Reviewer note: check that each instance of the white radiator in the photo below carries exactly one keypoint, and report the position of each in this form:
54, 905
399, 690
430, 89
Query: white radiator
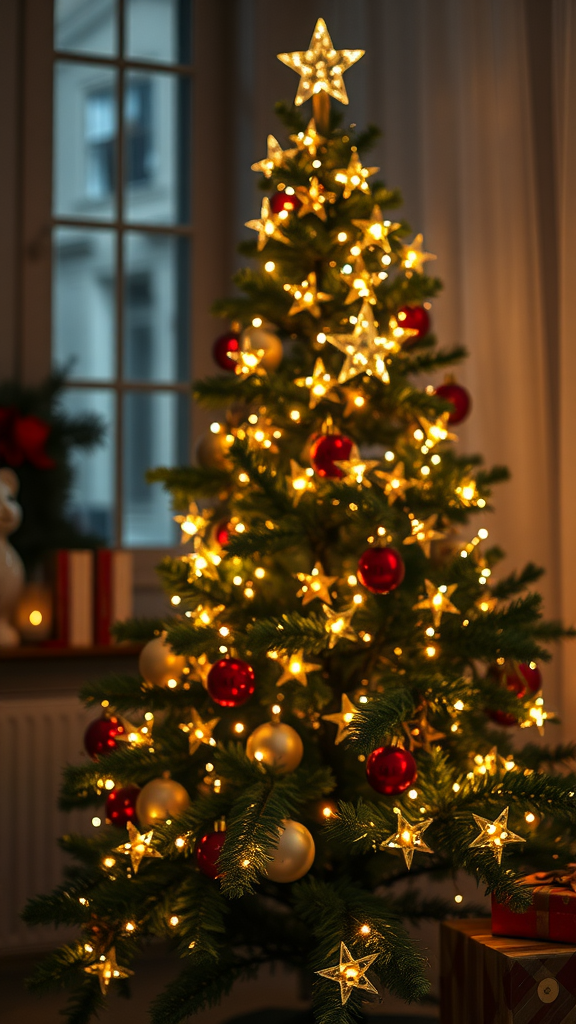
37, 738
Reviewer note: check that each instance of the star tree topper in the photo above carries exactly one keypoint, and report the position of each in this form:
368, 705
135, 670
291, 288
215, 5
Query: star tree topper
408, 838
138, 846
350, 973
106, 968
495, 834
320, 67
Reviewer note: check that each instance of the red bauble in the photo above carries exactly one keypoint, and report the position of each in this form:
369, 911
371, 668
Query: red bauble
414, 318
532, 676
280, 201
222, 533
121, 805
502, 718
390, 770
231, 682
459, 398
208, 852
381, 569
222, 347
327, 450
100, 736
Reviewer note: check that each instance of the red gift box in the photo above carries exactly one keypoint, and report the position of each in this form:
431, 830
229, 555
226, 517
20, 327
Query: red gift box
552, 915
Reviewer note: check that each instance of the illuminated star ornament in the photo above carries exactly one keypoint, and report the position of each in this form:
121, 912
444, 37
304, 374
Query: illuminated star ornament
274, 158
413, 258
408, 838
137, 735
362, 283
495, 835
313, 198
354, 176
421, 734
423, 533
438, 601
350, 973
248, 359
267, 226
375, 230
438, 430
342, 719
315, 584
320, 67
395, 483
337, 624
138, 846
309, 140
295, 669
364, 349
355, 470
192, 523
320, 383
203, 561
301, 480
106, 968
399, 333
306, 297
198, 731
536, 714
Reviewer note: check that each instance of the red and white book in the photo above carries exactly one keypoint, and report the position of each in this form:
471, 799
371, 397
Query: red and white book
74, 599
112, 592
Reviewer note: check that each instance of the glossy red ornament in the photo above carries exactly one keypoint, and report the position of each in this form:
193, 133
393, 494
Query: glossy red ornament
100, 736
414, 318
460, 399
390, 770
231, 682
121, 806
532, 676
223, 346
208, 852
327, 450
222, 533
281, 201
502, 718
381, 569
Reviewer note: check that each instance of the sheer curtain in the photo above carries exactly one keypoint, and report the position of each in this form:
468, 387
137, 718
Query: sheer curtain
476, 99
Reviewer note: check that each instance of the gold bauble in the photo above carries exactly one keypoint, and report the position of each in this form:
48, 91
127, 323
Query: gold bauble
277, 745
158, 663
212, 450
293, 854
260, 338
159, 800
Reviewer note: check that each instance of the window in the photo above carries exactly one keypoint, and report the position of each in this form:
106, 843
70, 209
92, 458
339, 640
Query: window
121, 242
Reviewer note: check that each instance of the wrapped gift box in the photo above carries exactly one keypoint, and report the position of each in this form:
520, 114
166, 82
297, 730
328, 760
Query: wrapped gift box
552, 915
490, 979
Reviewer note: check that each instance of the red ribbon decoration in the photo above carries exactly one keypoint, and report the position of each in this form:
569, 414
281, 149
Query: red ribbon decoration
23, 439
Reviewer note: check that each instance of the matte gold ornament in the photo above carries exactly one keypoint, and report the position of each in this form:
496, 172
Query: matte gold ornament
198, 731
320, 67
337, 624
106, 969
438, 601
413, 256
267, 226
408, 838
395, 483
159, 800
212, 450
261, 339
313, 199
293, 853
343, 718
274, 158
423, 533
315, 584
350, 973
375, 230
319, 383
277, 745
495, 835
364, 349
354, 176
158, 664
294, 668
137, 847
306, 297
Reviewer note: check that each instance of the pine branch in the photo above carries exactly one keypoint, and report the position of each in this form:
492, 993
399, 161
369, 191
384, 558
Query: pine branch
189, 482
381, 719
290, 634
137, 630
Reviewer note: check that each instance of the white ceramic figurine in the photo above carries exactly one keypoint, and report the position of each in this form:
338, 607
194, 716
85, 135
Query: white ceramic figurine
11, 567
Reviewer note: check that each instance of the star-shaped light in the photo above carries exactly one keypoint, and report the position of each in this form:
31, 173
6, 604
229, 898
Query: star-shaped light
200, 666
487, 603
138, 846
354, 176
536, 715
300, 480
313, 198
486, 764
306, 296
309, 140
361, 283
438, 601
365, 350
248, 359
204, 615
342, 719
399, 333
437, 430
423, 533
495, 835
467, 492
337, 624
320, 67
395, 483
375, 230
319, 383
413, 257
193, 522
350, 973
202, 561
137, 735
315, 584
267, 226
421, 734
295, 668
198, 731
408, 838
354, 401
274, 158
106, 968
355, 470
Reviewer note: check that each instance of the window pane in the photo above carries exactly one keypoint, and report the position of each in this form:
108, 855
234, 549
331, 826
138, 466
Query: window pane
154, 427
155, 307
86, 26
83, 303
92, 495
156, 147
85, 131
158, 30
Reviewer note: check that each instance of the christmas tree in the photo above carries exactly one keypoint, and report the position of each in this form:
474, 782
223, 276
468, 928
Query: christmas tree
338, 697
